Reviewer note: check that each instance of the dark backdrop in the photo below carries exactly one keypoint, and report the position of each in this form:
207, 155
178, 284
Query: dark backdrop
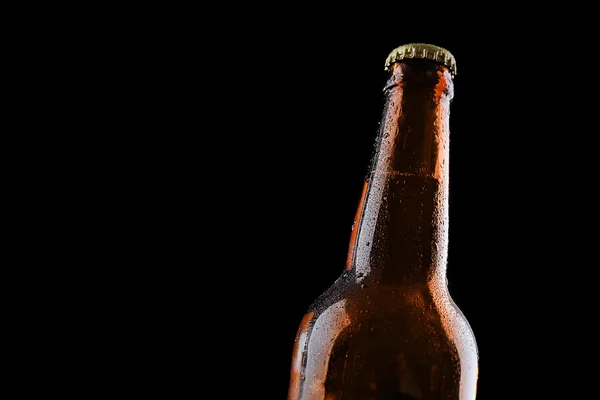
258, 128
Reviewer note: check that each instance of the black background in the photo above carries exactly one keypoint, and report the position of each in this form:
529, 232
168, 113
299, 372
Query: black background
257, 128
192, 174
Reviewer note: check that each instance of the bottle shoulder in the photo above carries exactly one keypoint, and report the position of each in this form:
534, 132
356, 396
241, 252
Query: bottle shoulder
350, 289
398, 307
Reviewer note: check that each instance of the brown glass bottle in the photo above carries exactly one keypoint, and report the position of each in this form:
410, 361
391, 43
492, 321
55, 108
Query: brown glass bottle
388, 328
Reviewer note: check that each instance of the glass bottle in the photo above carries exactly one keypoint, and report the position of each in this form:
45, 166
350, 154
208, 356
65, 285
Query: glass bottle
388, 328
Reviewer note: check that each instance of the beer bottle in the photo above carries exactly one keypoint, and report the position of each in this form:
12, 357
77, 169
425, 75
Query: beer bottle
388, 328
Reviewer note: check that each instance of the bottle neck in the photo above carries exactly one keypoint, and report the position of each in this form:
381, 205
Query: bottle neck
401, 229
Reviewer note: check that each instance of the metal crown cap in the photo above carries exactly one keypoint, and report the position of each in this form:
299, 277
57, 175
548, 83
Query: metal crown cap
422, 50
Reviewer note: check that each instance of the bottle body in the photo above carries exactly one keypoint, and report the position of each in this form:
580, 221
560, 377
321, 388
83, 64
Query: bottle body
388, 328
386, 342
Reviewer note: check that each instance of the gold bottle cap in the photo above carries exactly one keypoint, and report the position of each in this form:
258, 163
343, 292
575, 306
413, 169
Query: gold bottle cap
422, 50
